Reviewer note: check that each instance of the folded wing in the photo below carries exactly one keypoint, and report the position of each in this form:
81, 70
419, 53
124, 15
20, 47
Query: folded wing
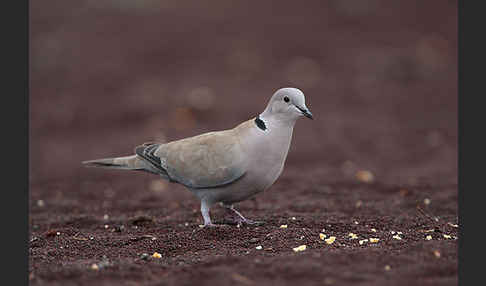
209, 160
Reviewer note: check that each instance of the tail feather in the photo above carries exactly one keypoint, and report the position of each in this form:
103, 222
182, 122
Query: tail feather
132, 162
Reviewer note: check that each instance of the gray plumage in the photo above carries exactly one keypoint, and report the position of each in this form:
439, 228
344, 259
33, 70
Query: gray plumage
226, 166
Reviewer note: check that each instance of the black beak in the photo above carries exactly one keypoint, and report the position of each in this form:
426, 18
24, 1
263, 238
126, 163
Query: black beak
306, 112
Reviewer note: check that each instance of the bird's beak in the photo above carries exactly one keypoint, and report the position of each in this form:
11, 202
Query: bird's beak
306, 112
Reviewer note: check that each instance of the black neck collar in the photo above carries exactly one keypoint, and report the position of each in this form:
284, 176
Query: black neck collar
260, 123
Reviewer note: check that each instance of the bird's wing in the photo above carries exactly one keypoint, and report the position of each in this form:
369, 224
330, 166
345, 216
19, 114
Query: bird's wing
209, 160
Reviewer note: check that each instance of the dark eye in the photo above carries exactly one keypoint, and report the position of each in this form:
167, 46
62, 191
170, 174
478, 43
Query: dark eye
286, 99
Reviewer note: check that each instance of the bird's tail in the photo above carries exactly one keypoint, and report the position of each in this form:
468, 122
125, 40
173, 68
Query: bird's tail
132, 162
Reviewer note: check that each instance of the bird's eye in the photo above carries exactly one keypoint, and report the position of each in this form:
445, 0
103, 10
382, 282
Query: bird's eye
286, 99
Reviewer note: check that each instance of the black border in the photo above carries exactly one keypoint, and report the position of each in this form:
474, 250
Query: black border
471, 121
460, 123
15, 139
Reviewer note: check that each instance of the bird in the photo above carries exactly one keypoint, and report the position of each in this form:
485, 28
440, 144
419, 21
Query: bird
227, 166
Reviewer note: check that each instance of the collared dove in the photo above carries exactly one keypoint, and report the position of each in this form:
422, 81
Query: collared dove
226, 166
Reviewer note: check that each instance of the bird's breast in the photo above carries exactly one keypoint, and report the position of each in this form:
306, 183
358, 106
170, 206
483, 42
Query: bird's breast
267, 154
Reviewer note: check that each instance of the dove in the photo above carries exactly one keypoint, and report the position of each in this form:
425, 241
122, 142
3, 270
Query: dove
227, 166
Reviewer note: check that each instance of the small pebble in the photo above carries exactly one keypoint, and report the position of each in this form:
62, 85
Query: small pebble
322, 236
118, 228
299, 248
427, 201
254, 240
258, 247
156, 255
104, 263
144, 256
387, 267
428, 237
436, 253
363, 241
283, 226
330, 240
94, 266
365, 176
403, 192
328, 281
374, 240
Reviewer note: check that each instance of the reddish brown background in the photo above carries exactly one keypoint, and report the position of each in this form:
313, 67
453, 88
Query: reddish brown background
379, 76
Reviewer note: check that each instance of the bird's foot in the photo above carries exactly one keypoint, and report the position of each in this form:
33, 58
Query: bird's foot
237, 218
211, 225
208, 228
238, 221
251, 222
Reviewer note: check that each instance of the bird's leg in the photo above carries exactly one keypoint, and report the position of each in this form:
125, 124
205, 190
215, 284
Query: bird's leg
205, 213
205, 205
240, 218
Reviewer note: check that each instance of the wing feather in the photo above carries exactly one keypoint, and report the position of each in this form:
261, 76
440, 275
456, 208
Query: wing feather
209, 160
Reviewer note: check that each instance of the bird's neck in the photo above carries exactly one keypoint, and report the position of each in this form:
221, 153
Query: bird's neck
272, 120
278, 132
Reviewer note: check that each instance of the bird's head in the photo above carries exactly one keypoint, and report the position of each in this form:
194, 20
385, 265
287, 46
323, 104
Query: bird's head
287, 104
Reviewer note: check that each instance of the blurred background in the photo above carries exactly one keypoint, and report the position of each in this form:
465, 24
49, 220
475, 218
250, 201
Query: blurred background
379, 76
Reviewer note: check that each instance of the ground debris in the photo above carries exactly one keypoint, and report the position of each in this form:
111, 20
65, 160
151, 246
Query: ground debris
51, 233
141, 220
436, 253
145, 236
76, 237
352, 235
105, 262
300, 248
254, 240
118, 228
365, 176
242, 279
330, 240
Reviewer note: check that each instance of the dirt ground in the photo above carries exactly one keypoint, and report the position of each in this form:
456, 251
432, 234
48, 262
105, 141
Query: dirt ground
379, 161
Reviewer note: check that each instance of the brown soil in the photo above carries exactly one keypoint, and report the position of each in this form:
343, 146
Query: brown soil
381, 80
